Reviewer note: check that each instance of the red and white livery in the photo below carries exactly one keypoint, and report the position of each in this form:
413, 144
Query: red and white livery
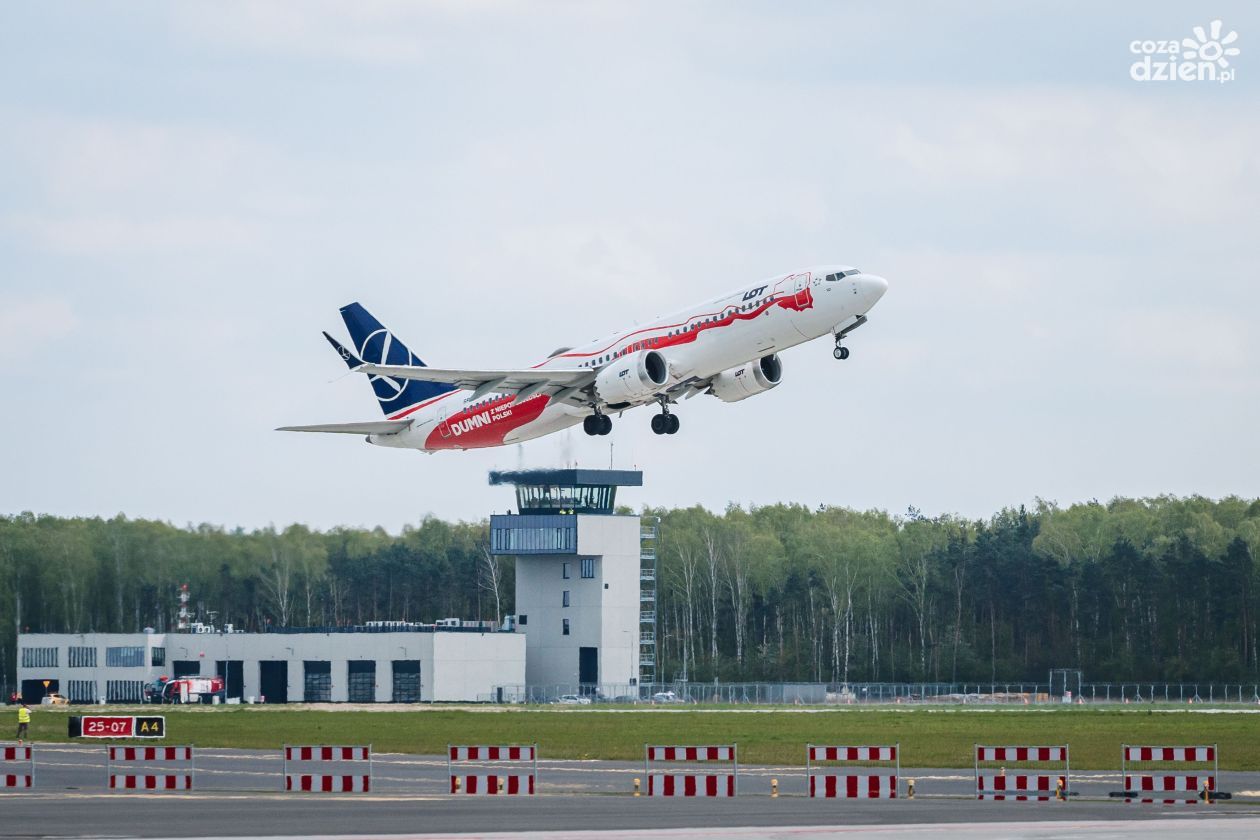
727, 347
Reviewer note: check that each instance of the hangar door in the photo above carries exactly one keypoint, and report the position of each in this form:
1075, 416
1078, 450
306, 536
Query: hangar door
273, 680
233, 673
362, 683
406, 680
33, 690
588, 669
317, 687
186, 667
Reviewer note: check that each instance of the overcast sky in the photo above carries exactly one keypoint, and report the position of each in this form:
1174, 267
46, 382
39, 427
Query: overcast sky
188, 192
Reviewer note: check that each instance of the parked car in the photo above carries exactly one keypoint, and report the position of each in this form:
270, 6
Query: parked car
54, 699
573, 700
665, 697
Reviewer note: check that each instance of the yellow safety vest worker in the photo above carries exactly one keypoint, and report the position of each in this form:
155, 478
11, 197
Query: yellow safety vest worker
24, 715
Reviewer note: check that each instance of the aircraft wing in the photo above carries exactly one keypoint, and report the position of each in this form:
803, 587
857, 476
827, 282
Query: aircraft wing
371, 427
483, 382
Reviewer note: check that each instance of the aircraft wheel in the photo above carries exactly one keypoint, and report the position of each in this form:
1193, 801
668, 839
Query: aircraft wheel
590, 424
840, 352
605, 424
659, 424
671, 427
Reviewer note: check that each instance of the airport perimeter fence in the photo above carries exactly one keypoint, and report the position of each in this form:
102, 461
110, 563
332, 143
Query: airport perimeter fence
832, 694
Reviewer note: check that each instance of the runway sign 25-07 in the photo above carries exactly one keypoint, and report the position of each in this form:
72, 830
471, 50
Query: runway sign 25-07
118, 726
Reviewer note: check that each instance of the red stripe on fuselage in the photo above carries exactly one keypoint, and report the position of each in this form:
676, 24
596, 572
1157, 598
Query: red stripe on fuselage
795, 301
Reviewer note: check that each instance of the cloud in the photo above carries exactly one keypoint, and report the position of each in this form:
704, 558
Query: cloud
28, 327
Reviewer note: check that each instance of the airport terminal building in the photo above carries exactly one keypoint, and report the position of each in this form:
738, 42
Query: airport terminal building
584, 623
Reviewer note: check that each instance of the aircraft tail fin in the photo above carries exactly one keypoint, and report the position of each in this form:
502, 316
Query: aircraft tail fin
372, 342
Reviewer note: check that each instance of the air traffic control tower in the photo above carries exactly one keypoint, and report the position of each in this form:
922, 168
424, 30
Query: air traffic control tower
585, 581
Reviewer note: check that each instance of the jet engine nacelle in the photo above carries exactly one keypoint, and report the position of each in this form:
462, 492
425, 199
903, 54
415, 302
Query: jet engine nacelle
631, 378
753, 378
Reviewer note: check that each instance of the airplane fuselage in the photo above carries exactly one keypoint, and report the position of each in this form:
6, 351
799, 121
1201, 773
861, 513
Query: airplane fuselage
697, 344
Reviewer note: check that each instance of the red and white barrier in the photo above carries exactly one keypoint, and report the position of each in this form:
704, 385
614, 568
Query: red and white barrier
720, 782
874, 782
691, 784
489, 770
1026, 784
1203, 754
345, 758
1170, 777
325, 783
296, 754
1019, 787
149, 768
691, 753
853, 787
17, 767
1021, 753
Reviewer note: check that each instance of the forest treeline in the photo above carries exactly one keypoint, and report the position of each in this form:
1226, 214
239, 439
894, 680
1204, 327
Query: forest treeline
1152, 589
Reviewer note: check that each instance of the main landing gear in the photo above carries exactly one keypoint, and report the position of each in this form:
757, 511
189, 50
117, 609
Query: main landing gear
840, 352
597, 424
665, 423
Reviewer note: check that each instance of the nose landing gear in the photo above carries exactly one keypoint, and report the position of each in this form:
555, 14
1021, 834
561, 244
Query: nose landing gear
597, 424
840, 352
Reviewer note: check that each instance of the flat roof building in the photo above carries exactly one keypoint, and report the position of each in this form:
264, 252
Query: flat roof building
392, 662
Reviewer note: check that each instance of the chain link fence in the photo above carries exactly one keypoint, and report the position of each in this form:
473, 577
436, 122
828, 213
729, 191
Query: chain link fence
925, 693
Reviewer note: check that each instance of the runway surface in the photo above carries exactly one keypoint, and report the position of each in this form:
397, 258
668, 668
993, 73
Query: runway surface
239, 794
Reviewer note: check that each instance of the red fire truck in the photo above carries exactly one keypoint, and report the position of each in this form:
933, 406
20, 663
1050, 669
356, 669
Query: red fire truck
184, 690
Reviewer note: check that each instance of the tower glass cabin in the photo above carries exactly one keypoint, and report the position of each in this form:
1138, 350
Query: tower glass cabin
578, 580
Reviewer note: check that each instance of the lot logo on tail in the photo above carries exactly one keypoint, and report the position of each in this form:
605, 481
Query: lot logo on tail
375, 350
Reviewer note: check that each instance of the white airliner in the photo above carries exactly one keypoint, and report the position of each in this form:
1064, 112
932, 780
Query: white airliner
726, 347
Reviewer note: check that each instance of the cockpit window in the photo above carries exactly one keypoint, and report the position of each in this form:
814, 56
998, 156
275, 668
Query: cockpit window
840, 275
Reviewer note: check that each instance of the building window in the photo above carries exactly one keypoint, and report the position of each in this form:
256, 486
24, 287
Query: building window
565, 601
124, 657
588, 567
43, 657
124, 691
564, 570
566, 627
157, 656
82, 657
522, 620
81, 691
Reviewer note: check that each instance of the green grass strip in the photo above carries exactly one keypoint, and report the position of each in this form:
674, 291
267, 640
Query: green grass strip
928, 737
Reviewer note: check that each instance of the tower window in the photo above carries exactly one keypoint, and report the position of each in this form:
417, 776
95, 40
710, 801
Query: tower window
566, 627
588, 567
565, 599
